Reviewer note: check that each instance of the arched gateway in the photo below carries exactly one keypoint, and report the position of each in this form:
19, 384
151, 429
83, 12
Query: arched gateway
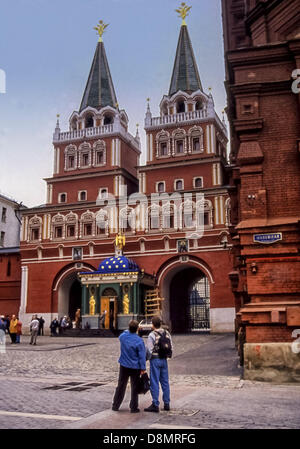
186, 290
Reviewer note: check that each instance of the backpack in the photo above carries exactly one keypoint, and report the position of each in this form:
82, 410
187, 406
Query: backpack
164, 346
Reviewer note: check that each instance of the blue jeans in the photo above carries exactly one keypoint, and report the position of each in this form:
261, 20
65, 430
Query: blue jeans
159, 374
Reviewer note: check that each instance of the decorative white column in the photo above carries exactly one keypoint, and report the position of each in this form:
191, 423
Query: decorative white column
24, 287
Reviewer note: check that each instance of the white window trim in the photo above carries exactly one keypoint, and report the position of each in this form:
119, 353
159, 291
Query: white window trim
176, 180
79, 193
194, 182
99, 193
156, 186
59, 197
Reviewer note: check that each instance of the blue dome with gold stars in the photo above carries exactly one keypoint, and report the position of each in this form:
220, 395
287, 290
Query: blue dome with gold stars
118, 264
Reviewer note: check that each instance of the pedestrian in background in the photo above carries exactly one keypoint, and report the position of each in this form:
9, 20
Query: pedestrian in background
19, 331
132, 364
7, 323
53, 326
41, 326
13, 329
2, 335
34, 329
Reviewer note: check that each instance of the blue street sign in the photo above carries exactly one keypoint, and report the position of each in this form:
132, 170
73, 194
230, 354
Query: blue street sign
267, 238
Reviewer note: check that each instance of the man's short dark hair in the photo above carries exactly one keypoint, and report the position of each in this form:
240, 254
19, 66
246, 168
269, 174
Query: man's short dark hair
133, 326
156, 321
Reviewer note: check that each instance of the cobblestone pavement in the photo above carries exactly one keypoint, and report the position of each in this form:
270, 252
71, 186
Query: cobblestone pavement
69, 383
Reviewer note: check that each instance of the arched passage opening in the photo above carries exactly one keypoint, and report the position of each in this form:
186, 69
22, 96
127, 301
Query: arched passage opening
186, 290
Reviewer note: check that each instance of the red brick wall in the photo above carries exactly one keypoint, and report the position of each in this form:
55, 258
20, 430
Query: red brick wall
10, 286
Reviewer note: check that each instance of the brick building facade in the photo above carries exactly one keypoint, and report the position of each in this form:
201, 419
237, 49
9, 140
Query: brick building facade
262, 51
97, 161
10, 260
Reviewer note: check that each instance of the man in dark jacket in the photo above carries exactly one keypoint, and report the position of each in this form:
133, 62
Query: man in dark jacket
132, 364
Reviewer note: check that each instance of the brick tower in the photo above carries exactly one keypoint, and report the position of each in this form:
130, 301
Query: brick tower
262, 49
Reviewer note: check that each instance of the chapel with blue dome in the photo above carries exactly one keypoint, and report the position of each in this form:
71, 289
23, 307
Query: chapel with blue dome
114, 294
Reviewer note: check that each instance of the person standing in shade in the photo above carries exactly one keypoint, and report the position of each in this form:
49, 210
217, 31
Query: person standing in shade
34, 329
2, 335
158, 365
132, 364
102, 319
13, 329
41, 326
19, 331
53, 326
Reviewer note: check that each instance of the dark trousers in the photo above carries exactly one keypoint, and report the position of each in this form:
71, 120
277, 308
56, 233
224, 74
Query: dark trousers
124, 375
13, 337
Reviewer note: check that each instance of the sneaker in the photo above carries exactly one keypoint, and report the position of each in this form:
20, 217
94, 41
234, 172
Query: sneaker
115, 409
167, 407
152, 408
135, 410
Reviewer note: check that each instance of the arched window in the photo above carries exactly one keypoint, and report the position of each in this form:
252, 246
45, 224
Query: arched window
162, 144
180, 106
198, 182
74, 124
35, 228
108, 119
127, 219
71, 225
154, 217
58, 227
204, 214
70, 157
62, 198
168, 216
82, 195
102, 222
196, 143
160, 187
89, 121
179, 142
99, 149
199, 105
85, 153
179, 184
87, 224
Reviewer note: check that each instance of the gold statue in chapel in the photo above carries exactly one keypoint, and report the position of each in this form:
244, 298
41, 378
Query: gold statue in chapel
183, 11
120, 241
92, 305
100, 29
126, 304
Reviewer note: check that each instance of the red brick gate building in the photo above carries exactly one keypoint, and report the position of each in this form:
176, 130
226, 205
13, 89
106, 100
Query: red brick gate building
262, 51
96, 160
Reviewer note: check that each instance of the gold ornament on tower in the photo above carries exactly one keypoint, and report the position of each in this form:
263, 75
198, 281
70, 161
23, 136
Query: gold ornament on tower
100, 29
183, 11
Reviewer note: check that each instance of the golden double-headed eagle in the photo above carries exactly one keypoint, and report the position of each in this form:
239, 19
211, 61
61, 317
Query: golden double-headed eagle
100, 29
183, 11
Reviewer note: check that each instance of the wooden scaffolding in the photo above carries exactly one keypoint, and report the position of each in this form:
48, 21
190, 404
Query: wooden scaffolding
153, 303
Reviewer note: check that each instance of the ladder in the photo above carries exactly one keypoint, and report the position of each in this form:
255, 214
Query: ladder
153, 303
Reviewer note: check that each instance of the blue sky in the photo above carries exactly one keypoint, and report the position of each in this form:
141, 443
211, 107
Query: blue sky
46, 50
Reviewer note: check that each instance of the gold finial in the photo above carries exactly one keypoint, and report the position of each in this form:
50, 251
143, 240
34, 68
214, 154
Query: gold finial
148, 99
137, 125
183, 11
117, 105
57, 115
100, 29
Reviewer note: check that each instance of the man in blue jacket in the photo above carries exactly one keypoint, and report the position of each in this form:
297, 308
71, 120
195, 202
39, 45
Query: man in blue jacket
132, 364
